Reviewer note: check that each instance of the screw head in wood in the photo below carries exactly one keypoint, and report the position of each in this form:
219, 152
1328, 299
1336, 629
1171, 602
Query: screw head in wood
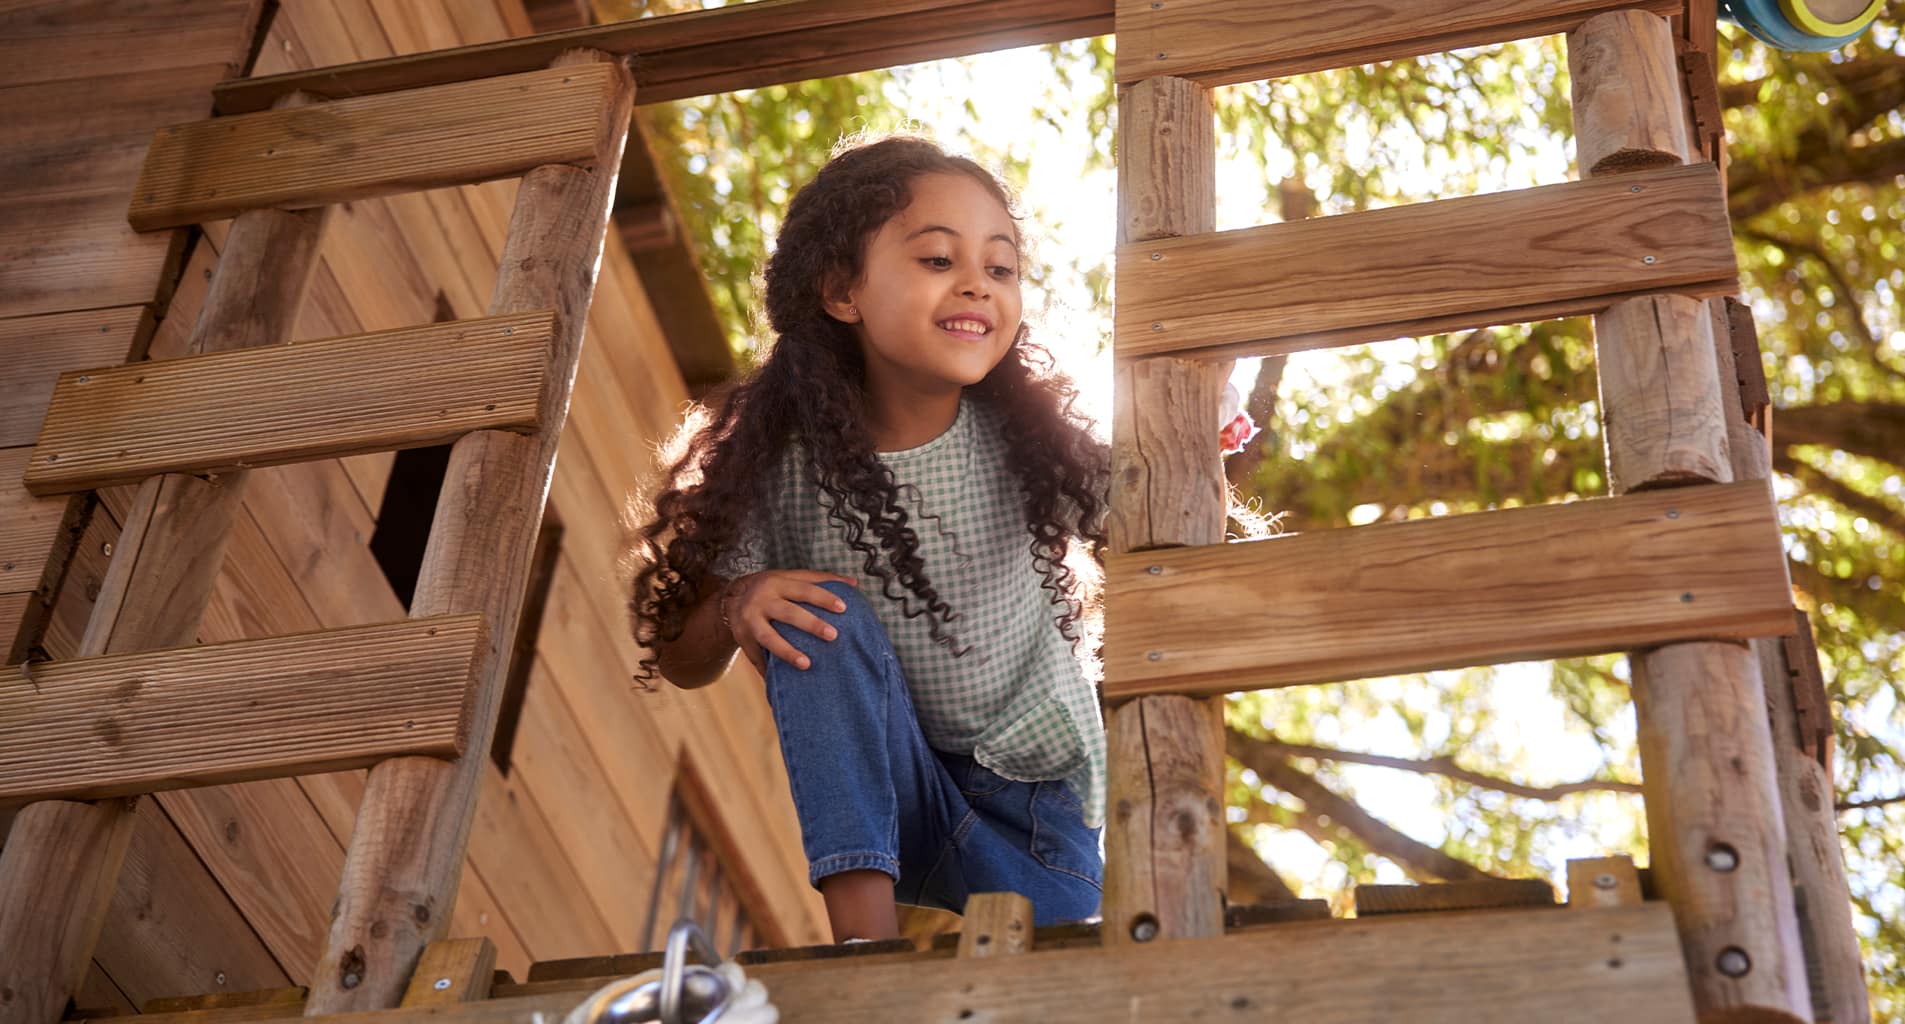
509, 330
1673, 513
1156, 256
1650, 260
1155, 570
1154, 655
83, 378
1686, 599
1157, 7
219, 978
1161, 54
440, 984
1635, 188
106, 549
1157, 327
1145, 928
1733, 962
1723, 858
1605, 881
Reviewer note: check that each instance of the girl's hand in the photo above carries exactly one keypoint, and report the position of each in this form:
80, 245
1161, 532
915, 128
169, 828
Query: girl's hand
752, 604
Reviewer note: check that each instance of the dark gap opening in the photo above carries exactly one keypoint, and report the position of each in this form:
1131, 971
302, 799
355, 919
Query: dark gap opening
522, 657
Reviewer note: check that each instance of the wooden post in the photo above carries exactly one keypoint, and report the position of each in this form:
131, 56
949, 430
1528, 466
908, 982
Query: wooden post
996, 924
1715, 826
61, 862
1164, 848
406, 852
1806, 793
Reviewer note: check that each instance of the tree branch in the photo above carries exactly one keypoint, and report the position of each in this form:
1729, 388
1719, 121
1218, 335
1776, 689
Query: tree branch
1446, 766
1875, 430
1816, 481
1754, 188
1419, 860
1876, 801
1252, 880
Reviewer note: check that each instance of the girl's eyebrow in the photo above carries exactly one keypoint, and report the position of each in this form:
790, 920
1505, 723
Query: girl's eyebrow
1007, 239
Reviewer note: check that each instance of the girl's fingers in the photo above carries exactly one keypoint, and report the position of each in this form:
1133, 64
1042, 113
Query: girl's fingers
819, 597
774, 644
805, 621
816, 576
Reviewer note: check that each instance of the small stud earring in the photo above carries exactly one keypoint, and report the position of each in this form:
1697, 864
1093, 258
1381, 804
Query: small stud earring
854, 312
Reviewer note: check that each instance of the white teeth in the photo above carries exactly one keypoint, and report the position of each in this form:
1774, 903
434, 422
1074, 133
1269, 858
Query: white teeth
968, 326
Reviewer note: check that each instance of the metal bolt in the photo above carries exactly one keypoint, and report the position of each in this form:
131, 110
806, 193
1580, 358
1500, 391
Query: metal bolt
219, 978
1161, 55
1673, 513
1635, 188
1154, 655
1156, 256
1649, 260
509, 330
105, 328
1157, 327
1144, 929
83, 378
353, 980
1733, 962
7, 567
440, 984
1605, 881
1722, 857
1686, 599
1157, 7
52, 458
1155, 570
106, 549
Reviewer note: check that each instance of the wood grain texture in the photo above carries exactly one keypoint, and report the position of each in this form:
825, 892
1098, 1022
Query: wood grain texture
1662, 411
374, 145
1716, 836
452, 971
46, 40
58, 926
28, 525
94, 728
738, 47
269, 405
1222, 42
1484, 588
415, 821
1507, 257
1165, 865
1596, 882
1628, 103
996, 924
1479, 967
35, 350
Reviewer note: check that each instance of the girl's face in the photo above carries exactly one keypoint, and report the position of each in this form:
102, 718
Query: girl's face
938, 303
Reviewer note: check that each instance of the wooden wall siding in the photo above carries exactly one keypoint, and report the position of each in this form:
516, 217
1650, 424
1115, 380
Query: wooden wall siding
238, 880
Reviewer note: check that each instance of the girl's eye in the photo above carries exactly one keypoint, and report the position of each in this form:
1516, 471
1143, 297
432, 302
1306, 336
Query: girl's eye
1004, 271
938, 262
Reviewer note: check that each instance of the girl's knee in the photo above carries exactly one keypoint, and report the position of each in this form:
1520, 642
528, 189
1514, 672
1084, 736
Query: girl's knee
857, 627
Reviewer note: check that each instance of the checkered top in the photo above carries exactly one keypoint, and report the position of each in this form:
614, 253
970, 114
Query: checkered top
1018, 700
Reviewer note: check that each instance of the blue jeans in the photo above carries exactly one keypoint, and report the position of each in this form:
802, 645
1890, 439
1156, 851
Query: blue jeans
871, 794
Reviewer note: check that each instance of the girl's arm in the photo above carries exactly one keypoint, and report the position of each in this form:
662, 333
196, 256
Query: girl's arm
742, 613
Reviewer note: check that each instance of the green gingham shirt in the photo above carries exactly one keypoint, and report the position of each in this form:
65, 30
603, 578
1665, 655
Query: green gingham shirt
1018, 700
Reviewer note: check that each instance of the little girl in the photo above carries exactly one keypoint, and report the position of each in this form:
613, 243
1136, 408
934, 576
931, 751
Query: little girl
878, 519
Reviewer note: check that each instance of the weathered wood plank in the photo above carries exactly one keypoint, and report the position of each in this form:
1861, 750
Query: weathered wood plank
1595, 882
738, 47
45, 40
265, 406
1508, 585
371, 145
1222, 42
452, 971
1506, 257
35, 350
1478, 967
120, 725
997, 924
28, 525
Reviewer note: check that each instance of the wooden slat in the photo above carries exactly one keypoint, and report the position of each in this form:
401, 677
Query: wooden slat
1442, 897
1550, 581
452, 971
44, 40
1507, 257
35, 350
27, 525
135, 723
1595, 882
372, 145
292, 403
997, 924
1477, 967
737, 47
1221, 42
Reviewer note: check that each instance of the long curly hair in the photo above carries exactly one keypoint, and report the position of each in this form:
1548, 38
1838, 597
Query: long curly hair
810, 390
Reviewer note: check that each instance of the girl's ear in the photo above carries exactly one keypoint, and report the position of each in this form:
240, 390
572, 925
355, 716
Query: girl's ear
837, 300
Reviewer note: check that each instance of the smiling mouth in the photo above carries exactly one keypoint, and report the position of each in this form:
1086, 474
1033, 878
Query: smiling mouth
965, 328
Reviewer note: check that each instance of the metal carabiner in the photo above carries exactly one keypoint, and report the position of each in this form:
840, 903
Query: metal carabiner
686, 938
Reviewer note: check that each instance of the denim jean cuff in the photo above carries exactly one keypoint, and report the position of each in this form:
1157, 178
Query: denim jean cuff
838, 862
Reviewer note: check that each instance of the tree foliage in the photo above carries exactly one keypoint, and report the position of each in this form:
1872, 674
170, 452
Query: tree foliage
1508, 770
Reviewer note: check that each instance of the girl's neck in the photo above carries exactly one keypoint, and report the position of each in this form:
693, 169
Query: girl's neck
899, 424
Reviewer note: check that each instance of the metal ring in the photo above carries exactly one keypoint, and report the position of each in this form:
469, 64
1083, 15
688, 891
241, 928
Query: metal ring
1803, 15
685, 938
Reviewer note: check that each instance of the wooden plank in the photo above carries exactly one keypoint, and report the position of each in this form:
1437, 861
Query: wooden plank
35, 350
371, 145
739, 47
1507, 257
121, 725
1595, 882
28, 525
452, 971
1550, 581
225, 411
1441, 897
286, 1001
12, 611
997, 924
1478, 967
44, 40
81, 254
1222, 42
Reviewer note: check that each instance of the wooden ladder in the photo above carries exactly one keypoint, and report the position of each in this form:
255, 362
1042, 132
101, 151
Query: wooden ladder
142, 709
1682, 566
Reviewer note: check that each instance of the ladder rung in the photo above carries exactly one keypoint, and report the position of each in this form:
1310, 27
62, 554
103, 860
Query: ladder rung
125, 724
1587, 577
1406, 271
1221, 42
372, 145
1481, 894
265, 406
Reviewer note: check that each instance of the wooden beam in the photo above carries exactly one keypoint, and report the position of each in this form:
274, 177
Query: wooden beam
1222, 42
121, 725
407, 849
1476, 967
1596, 882
743, 46
1549, 581
452, 971
265, 406
1406, 271
326, 153
997, 924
